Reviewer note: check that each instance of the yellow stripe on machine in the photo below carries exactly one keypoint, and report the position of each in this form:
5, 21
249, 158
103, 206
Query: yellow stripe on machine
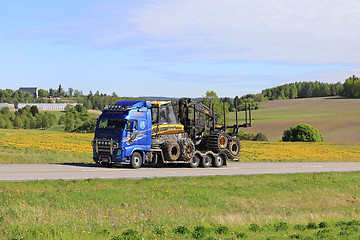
167, 129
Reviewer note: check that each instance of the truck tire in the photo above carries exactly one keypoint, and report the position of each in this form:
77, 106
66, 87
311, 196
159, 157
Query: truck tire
187, 149
219, 160
218, 141
171, 151
109, 165
136, 160
234, 146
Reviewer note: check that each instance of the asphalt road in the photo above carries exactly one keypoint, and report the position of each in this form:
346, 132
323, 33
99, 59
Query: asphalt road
26, 172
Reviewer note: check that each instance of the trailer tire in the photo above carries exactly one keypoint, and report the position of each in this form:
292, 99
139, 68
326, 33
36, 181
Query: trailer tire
207, 160
171, 151
219, 160
136, 160
195, 161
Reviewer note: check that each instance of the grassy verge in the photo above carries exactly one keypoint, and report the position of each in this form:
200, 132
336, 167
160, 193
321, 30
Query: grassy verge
290, 206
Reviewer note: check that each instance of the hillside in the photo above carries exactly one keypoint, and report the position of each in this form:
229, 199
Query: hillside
338, 119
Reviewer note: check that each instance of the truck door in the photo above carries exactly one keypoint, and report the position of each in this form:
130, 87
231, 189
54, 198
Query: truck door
135, 135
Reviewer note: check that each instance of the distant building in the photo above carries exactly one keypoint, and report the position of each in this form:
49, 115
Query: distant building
2, 105
32, 90
47, 106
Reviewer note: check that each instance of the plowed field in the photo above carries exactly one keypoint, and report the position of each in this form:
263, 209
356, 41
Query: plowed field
338, 119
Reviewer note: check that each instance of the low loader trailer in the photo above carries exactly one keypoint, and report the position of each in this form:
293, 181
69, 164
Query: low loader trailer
143, 132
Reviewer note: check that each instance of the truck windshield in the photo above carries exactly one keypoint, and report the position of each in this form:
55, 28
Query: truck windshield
117, 124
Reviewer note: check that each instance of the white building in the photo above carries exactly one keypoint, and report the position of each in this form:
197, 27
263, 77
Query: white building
47, 106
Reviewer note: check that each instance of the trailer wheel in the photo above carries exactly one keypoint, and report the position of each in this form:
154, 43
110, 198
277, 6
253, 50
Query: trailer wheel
219, 160
171, 150
195, 161
136, 160
207, 160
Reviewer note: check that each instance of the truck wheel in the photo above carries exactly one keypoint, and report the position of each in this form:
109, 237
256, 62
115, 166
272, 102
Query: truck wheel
219, 160
195, 161
171, 151
109, 165
136, 160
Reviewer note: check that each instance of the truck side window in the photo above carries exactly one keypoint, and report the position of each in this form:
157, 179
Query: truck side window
131, 125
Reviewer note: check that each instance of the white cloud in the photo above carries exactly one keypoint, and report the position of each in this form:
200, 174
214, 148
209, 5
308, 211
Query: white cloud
296, 31
307, 31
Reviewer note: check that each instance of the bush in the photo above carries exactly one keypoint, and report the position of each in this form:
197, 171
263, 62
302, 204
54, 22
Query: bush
254, 227
311, 225
302, 133
261, 137
181, 230
222, 229
281, 226
242, 135
199, 232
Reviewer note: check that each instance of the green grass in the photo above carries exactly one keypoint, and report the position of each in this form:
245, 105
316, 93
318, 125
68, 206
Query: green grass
289, 206
57, 113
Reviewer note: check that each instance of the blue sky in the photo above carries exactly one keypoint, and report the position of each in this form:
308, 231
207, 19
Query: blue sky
177, 48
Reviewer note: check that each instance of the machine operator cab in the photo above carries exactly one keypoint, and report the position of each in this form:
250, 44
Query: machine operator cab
164, 120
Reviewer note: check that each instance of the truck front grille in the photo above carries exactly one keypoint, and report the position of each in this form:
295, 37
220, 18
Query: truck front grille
104, 146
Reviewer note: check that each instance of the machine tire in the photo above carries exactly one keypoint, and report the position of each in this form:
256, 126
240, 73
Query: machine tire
234, 147
187, 149
136, 160
219, 160
218, 141
171, 151
195, 161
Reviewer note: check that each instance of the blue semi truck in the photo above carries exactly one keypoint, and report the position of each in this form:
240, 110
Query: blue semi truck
143, 132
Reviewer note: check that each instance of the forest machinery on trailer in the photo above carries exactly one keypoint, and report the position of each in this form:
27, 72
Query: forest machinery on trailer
143, 132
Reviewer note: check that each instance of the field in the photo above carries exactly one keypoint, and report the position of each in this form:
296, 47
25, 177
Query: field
336, 118
288, 206
39, 146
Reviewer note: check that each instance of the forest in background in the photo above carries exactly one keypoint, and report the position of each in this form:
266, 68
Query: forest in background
76, 119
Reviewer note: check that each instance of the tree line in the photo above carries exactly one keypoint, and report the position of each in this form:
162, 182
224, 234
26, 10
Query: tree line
27, 118
352, 87
304, 90
91, 101
76, 119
